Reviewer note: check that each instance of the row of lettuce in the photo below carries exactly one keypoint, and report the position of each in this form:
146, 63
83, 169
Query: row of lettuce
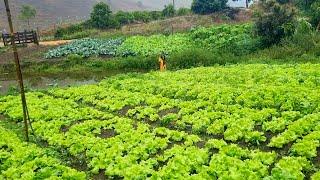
235, 38
19, 160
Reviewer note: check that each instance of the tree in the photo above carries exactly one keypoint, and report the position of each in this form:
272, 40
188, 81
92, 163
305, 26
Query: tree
168, 10
311, 9
27, 12
274, 20
304, 4
101, 16
208, 6
315, 14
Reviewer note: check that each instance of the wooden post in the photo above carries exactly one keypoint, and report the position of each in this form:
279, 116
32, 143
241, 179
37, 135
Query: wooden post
38, 33
19, 73
25, 33
35, 37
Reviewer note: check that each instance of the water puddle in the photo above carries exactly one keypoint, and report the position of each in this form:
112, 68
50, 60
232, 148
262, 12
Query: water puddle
8, 82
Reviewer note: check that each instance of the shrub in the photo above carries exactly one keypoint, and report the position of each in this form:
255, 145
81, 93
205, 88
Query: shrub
183, 11
142, 16
310, 9
208, 6
301, 46
124, 17
303, 36
232, 12
156, 15
75, 28
274, 20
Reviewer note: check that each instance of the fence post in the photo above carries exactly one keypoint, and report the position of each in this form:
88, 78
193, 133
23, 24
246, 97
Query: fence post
25, 40
35, 38
38, 33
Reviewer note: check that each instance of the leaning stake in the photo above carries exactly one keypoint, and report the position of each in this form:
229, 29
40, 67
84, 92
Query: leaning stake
18, 69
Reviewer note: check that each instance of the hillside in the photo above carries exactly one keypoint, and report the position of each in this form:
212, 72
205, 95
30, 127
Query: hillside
58, 11
52, 12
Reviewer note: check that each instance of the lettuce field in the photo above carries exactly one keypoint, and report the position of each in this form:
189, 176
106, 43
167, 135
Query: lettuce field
240, 122
215, 37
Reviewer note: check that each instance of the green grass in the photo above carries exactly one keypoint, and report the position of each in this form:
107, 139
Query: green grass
181, 60
3, 49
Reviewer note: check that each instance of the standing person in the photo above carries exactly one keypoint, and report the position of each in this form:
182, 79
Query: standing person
163, 62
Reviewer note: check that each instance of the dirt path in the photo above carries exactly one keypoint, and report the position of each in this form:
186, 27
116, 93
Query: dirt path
50, 43
31, 53
54, 43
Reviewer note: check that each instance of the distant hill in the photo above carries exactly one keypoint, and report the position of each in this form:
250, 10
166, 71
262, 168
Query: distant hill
52, 12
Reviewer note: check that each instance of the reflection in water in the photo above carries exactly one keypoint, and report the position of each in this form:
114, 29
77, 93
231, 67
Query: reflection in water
41, 81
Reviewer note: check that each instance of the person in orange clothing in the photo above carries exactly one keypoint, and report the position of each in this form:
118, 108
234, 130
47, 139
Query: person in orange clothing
163, 62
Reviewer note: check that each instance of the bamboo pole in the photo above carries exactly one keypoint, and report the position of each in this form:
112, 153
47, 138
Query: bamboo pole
19, 73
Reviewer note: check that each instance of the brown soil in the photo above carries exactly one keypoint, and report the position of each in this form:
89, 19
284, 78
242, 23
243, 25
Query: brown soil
100, 176
2, 117
316, 160
165, 112
107, 133
54, 43
65, 128
31, 52
123, 112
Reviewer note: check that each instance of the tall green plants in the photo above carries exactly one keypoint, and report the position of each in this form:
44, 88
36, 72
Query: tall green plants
274, 20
